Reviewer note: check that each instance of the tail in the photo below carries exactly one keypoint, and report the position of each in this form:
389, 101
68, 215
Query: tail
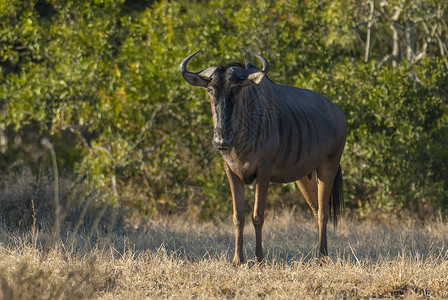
336, 198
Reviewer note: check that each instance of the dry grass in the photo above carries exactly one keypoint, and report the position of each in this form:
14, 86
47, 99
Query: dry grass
175, 258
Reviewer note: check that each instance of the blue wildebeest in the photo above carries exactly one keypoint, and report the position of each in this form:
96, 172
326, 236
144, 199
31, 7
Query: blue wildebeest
273, 133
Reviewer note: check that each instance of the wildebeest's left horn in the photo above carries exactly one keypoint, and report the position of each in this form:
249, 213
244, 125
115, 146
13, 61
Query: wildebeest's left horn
257, 77
263, 61
192, 78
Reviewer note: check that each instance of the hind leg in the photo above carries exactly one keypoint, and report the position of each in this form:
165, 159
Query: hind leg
308, 187
326, 174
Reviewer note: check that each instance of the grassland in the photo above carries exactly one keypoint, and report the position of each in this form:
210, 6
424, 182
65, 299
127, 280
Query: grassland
173, 257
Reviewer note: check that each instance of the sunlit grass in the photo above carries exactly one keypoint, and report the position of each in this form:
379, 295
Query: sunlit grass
176, 258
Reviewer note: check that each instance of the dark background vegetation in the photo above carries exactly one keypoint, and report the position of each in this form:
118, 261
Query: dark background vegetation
100, 80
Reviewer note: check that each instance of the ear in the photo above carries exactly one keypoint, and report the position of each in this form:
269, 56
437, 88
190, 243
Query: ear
253, 78
195, 79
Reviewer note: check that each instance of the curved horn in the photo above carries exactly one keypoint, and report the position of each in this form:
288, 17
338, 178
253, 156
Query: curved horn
183, 64
257, 76
263, 61
192, 78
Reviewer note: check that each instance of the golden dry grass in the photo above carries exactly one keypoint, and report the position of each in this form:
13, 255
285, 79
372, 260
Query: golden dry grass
180, 259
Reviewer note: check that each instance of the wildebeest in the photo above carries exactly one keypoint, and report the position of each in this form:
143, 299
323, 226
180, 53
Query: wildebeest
273, 133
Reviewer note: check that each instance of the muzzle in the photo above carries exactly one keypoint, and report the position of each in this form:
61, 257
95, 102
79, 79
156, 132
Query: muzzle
223, 141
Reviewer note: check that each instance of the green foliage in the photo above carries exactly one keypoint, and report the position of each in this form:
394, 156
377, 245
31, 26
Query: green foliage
101, 79
395, 155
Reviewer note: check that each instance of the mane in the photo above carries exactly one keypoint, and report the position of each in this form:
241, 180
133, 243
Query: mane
232, 64
257, 111
239, 64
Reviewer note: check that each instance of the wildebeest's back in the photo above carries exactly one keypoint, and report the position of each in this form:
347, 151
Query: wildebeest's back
293, 129
309, 128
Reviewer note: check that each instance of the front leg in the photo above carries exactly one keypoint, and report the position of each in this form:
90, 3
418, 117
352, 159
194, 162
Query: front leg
237, 188
263, 179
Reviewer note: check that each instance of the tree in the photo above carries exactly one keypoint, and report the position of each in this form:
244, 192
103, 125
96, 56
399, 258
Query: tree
100, 80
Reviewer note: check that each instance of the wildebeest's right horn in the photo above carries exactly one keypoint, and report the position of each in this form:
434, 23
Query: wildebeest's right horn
257, 77
192, 78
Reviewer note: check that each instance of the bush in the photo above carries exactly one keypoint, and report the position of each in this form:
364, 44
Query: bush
100, 79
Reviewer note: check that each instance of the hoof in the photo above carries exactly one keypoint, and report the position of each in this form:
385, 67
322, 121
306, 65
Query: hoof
260, 263
237, 261
323, 260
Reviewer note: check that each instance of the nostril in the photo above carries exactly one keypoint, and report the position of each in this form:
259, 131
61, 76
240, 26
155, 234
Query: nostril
222, 141
217, 139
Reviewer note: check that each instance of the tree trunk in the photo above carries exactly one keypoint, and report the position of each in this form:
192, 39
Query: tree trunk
369, 30
395, 37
